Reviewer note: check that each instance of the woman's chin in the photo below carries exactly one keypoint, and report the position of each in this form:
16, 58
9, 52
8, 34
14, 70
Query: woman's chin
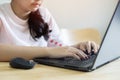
34, 9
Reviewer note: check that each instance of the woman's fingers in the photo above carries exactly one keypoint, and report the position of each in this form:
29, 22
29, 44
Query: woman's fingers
94, 46
90, 47
81, 54
78, 54
82, 46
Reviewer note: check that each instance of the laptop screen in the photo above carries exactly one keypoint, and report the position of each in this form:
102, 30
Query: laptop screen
110, 46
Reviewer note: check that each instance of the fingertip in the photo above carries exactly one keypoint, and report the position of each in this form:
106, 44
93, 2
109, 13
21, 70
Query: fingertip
76, 56
96, 50
85, 56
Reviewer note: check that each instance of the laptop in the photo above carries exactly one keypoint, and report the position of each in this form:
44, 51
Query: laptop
109, 50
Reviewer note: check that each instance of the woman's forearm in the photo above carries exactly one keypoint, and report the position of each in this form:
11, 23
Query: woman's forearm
7, 52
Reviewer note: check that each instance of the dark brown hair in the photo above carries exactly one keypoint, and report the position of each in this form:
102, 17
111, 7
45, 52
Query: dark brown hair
37, 26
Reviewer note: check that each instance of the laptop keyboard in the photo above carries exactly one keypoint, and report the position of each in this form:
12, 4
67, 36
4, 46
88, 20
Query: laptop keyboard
73, 61
67, 61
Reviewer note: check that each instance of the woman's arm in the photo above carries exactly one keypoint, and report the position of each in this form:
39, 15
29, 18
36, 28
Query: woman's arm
7, 52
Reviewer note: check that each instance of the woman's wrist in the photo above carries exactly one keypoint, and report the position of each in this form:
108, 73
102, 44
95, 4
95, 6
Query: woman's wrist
55, 52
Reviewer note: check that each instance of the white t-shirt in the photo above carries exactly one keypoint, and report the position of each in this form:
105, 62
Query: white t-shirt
15, 31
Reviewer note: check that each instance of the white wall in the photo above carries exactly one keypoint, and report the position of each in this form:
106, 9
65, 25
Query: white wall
81, 13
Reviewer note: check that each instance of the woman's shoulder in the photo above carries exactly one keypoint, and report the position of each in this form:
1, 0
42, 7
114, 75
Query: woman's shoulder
44, 11
46, 15
3, 10
4, 7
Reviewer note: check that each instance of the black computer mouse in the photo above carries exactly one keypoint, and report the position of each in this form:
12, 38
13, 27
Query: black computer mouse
21, 63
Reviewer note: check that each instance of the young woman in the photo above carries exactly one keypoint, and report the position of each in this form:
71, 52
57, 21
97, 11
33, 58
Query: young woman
28, 30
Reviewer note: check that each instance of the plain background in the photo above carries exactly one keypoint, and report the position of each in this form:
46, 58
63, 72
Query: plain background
74, 14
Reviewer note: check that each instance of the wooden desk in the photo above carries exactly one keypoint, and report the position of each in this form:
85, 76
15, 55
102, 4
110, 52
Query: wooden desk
41, 72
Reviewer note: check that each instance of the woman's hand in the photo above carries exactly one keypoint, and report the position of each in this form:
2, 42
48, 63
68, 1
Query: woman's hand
87, 46
58, 52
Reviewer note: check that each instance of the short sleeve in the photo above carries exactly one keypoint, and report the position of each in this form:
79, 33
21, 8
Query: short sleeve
54, 36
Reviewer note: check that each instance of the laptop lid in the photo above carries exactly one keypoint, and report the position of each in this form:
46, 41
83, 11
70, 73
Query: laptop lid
110, 45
